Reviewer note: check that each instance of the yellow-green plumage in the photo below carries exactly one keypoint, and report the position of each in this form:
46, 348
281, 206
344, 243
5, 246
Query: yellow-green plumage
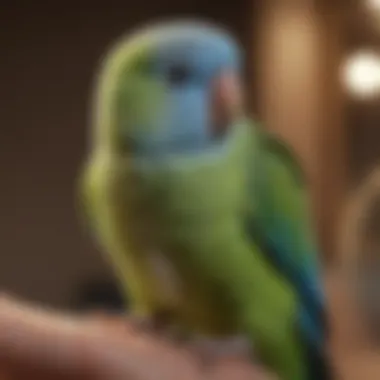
225, 286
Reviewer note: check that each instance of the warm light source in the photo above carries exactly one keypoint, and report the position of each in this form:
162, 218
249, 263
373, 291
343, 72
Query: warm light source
374, 5
361, 74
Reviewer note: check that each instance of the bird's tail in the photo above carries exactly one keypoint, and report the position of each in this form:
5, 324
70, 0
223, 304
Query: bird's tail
319, 367
314, 333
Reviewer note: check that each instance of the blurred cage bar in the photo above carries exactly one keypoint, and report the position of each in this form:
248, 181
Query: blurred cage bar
360, 252
363, 115
300, 45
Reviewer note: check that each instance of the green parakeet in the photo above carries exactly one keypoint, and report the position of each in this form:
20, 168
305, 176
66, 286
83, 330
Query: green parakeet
203, 214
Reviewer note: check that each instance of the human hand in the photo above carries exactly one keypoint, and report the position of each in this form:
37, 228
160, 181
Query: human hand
40, 344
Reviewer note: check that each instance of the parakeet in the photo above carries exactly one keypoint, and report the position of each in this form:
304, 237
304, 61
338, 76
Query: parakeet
202, 212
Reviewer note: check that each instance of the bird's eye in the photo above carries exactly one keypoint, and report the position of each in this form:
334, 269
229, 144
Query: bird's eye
178, 74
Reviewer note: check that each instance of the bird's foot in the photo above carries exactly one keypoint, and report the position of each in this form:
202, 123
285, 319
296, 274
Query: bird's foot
178, 334
209, 350
151, 324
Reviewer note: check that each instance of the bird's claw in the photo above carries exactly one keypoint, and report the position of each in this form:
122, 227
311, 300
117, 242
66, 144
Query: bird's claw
210, 350
152, 324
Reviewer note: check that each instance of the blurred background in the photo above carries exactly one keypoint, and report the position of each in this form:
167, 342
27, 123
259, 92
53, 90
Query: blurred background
313, 76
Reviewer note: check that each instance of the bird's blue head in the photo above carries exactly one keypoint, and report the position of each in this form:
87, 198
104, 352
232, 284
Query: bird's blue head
177, 90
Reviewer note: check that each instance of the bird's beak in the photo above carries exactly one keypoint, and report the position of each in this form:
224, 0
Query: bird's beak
226, 100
